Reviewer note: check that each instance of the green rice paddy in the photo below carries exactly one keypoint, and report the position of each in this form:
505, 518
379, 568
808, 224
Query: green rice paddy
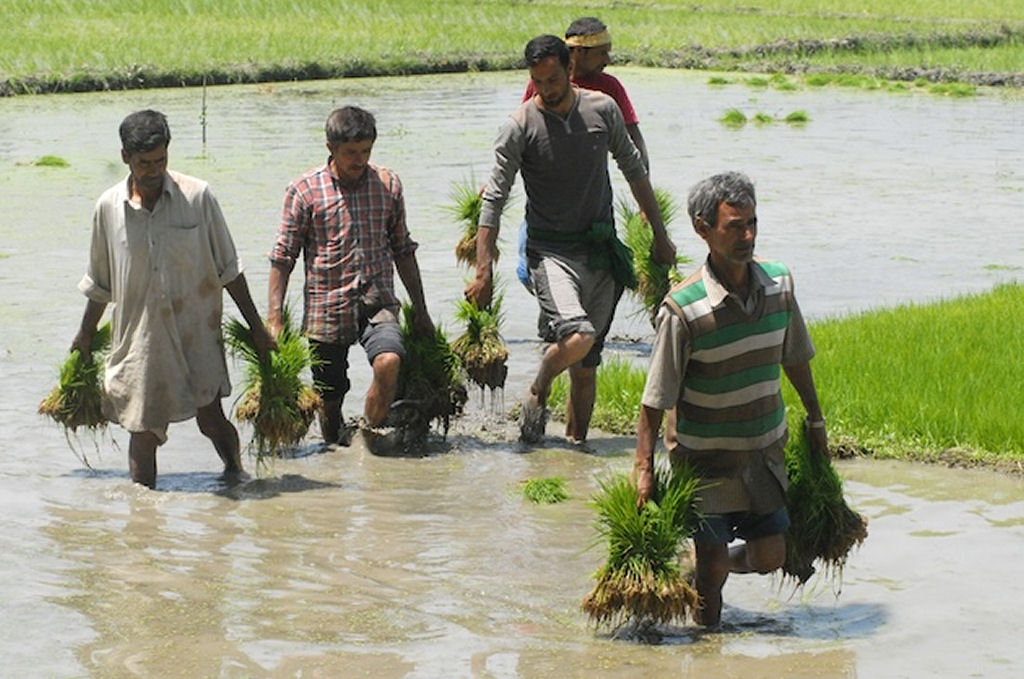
115, 45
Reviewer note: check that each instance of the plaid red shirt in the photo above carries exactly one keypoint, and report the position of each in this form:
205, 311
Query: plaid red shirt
350, 236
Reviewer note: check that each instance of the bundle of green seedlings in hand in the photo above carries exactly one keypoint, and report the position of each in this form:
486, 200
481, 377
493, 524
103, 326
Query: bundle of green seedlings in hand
480, 347
642, 582
653, 280
467, 203
822, 528
276, 401
77, 399
430, 379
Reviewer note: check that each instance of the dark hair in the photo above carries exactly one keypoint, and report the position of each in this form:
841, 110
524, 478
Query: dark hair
585, 26
350, 123
732, 188
144, 131
544, 46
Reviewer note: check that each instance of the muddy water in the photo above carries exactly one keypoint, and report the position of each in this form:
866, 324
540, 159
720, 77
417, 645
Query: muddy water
340, 563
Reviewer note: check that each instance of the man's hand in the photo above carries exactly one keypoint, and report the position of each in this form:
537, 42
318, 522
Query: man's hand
817, 438
664, 250
422, 325
480, 291
644, 485
264, 341
274, 326
83, 343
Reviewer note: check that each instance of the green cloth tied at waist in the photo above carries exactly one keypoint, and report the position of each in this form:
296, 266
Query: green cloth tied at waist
604, 249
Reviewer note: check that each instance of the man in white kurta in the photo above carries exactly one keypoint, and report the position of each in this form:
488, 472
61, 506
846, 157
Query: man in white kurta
161, 254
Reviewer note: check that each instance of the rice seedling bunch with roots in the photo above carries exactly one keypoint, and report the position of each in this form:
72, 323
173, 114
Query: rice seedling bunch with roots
466, 205
430, 380
77, 399
276, 401
823, 528
653, 280
642, 581
480, 346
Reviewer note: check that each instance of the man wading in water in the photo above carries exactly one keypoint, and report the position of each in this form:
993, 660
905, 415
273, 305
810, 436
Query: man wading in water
720, 338
559, 141
348, 218
161, 253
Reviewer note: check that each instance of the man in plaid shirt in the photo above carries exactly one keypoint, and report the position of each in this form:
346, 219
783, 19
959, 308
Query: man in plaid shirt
347, 217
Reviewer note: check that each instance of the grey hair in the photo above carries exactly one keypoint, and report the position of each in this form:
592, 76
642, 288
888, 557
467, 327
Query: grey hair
732, 188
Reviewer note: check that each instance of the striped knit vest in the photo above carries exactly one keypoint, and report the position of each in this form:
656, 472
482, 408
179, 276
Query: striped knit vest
731, 399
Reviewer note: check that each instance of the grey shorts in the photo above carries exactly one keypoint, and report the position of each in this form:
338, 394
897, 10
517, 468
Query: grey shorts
724, 528
573, 298
330, 370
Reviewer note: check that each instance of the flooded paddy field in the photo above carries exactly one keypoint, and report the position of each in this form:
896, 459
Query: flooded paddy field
340, 563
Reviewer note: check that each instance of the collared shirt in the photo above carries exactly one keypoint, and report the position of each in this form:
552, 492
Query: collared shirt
163, 271
748, 470
350, 235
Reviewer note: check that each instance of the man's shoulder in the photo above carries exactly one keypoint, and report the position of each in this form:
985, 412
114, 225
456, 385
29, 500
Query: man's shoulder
596, 98
188, 185
603, 82
385, 176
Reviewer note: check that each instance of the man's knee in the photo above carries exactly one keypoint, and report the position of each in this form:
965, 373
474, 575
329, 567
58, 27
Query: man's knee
387, 363
767, 554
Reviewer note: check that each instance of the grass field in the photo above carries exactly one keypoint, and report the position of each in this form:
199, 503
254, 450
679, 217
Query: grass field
937, 382
63, 45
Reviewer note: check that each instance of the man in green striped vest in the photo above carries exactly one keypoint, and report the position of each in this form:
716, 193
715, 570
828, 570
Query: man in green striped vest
723, 336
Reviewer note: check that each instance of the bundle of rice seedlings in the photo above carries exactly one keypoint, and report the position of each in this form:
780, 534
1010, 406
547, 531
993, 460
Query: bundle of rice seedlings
76, 400
548, 491
480, 347
642, 581
654, 280
823, 527
467, 202
430, 380
275, 401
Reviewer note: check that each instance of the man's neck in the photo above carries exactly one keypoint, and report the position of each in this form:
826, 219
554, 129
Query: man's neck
735, 277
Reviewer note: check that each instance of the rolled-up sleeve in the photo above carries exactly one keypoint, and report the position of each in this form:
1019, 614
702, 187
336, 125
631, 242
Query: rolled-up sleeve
797, 347
96, 283
225, 256
402, 244
295, 219
626, 155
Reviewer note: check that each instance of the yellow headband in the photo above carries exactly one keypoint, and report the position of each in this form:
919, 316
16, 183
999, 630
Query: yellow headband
592, 40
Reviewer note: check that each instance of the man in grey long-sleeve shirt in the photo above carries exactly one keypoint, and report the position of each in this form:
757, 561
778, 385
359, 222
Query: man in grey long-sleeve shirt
559, 140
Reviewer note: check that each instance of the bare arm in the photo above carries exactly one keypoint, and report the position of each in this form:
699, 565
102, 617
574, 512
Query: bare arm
90, 319
239, 291
481, 289
802, 379
409, 271
277, 286
646, 437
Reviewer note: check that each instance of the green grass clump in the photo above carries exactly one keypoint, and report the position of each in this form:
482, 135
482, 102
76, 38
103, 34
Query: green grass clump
52, 161
480, 346
763, 118
823, 528
797, 117
757, 81
718, 80
642, 581
733, 118
954, 90
77, 399
617, 406
547, 491
275, 400
653, 280
430, 377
